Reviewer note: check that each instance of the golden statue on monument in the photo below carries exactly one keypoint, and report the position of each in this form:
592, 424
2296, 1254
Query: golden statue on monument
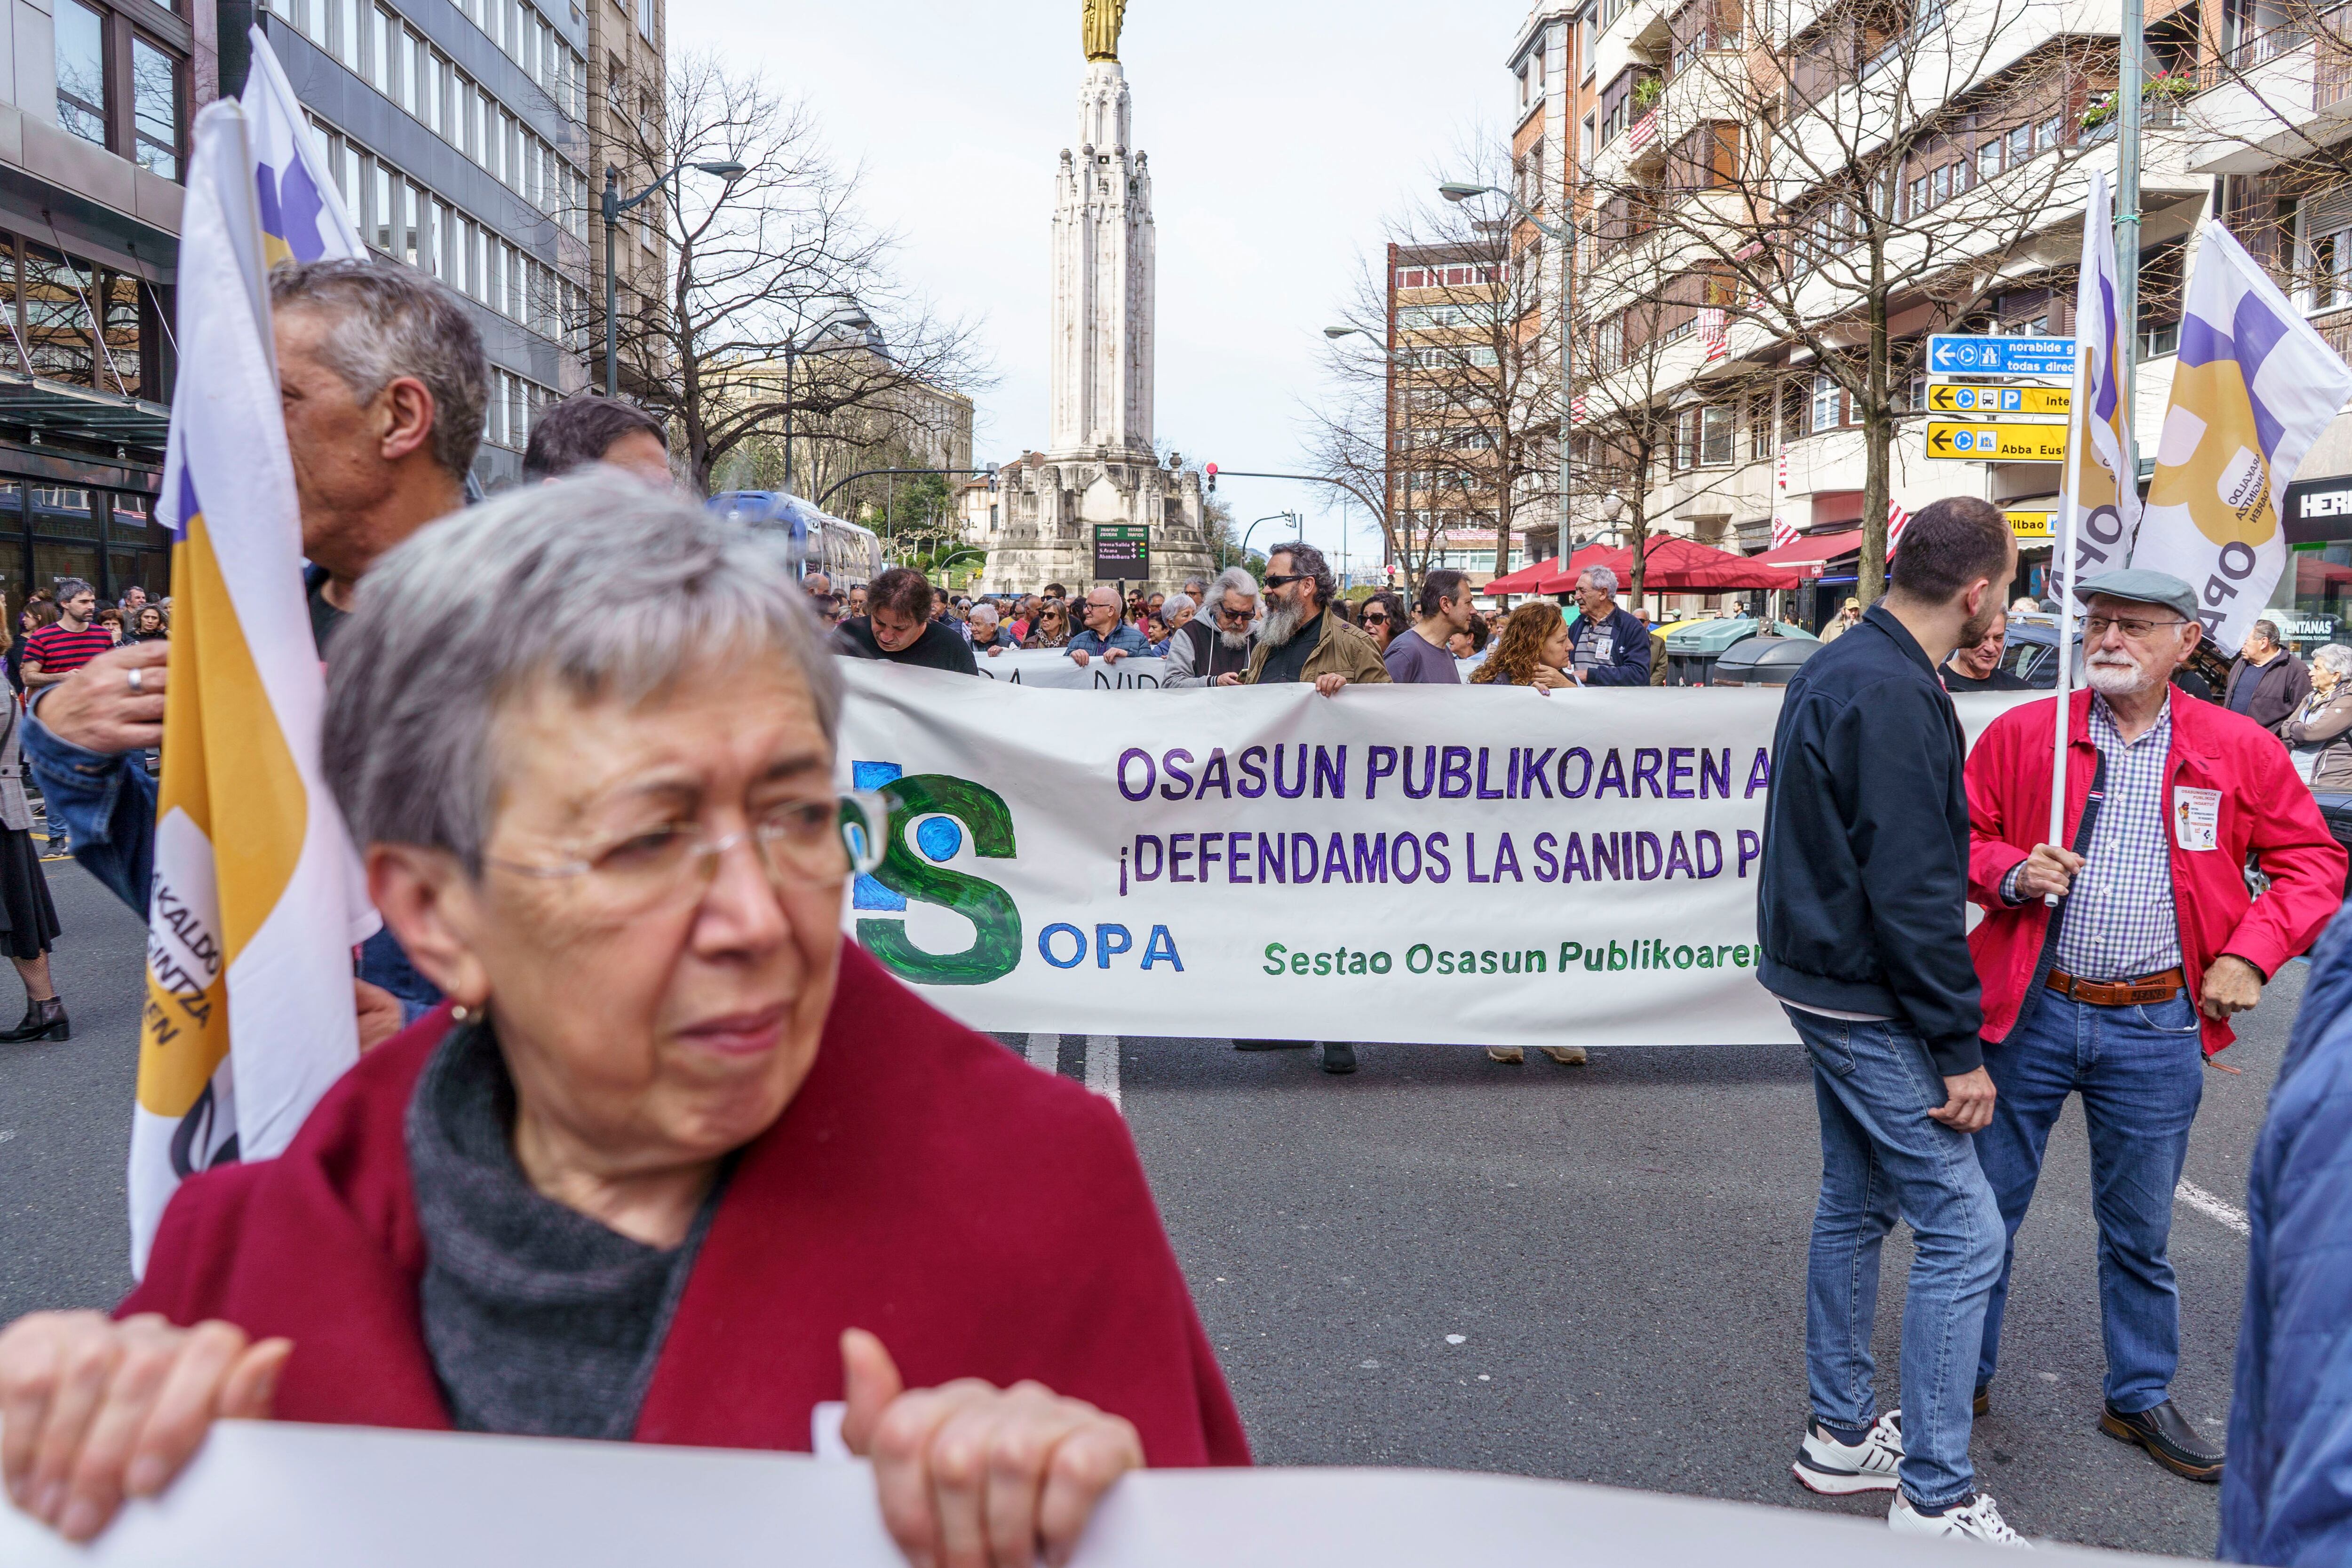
1103, 19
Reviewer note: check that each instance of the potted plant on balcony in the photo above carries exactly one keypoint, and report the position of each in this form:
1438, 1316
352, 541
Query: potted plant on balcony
1646, 93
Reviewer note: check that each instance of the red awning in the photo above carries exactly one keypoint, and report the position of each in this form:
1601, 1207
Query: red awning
1813, 550
1523, 580
1671, 564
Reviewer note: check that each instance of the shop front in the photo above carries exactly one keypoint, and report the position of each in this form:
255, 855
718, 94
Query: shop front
2313, 602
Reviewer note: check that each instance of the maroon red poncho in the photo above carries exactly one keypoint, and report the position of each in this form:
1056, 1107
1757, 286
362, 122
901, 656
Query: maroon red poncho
985, 1218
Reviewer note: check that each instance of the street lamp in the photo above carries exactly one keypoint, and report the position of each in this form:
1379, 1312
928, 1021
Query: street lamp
1277, 517
1405, 497
852, 320
1457, 191
726, 169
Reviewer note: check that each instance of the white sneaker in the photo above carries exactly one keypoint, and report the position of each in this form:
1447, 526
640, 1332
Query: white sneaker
1977, 1519
1838, 1470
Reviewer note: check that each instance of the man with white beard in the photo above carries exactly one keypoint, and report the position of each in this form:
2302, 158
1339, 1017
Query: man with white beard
1217, 642
2153, 943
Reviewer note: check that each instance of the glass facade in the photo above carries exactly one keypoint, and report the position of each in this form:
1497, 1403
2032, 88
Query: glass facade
2313, 601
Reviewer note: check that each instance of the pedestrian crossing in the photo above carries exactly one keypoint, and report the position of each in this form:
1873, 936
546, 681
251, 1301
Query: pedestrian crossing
1091, 1059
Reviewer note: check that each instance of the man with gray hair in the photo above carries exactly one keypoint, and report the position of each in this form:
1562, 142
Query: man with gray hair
1216, 643
1612, 646
384, 384
2267, 684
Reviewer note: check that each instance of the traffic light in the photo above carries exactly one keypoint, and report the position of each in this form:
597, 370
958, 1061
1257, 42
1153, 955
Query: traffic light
1211, 471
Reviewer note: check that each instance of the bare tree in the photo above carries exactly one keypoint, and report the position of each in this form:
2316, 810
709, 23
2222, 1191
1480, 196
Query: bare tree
782, 304
1841, 180
1457, 416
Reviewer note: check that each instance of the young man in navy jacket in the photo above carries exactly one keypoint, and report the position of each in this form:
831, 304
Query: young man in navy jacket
1862, 907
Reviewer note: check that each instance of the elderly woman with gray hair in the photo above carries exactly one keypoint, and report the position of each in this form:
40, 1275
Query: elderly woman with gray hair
2318, 734
675, 1163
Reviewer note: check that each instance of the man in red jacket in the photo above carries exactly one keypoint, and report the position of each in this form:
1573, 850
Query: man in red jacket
2153, 943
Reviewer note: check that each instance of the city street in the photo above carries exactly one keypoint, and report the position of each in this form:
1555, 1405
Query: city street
1594, 1273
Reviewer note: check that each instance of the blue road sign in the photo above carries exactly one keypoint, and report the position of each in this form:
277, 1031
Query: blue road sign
1953, 354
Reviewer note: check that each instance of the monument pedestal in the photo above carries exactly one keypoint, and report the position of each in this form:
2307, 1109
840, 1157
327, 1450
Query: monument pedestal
1052, 501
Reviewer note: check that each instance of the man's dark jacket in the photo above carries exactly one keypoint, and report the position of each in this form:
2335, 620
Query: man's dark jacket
1211, 657
1629, 658
1863, 896
2280, 687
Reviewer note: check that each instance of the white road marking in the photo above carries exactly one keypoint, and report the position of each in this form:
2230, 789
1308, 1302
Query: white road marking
2212, 1208
1045, 1051
1102, 1068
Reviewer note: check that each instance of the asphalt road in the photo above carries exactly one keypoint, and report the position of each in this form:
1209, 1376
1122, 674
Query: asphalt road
1619, 1248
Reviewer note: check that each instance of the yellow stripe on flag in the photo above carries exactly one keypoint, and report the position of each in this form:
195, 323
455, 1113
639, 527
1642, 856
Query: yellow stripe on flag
245, 800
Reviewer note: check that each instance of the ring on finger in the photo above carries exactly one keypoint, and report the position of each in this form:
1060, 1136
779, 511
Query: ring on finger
133, 676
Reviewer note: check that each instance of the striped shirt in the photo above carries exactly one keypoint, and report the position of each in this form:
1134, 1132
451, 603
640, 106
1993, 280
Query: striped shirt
58, 651
2120, 923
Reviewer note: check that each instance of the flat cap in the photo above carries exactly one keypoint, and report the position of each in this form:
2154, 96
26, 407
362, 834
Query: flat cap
2143, 587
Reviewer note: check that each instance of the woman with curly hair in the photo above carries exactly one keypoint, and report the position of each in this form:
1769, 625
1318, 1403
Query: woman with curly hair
1533, 649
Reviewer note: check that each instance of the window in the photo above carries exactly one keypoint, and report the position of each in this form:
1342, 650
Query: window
1941, 183
1918, 195
154, 108
1828, 402
2020, 145
2047, 134
1714, 436
1759, 427
383, 33
380, 210
343, 33
81, 70
1989, 160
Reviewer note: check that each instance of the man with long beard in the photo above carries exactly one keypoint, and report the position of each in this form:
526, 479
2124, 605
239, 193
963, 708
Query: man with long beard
1217, 642
1298, 641
2154, 942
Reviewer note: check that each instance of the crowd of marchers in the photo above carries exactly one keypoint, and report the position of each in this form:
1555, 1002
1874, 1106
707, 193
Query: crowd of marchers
640, 1148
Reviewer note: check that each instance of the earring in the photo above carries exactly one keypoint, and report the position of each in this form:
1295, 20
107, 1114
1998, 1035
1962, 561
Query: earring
461, 1012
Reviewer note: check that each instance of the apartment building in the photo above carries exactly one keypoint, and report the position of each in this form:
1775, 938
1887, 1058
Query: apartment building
1450, 402
95, 101
457, 130
1767, 182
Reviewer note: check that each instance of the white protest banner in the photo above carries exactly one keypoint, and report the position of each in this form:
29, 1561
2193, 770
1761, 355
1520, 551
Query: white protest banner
1417, 864
289, 1495
1055, 667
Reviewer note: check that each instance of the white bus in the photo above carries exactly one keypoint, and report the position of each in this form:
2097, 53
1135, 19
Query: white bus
809, 541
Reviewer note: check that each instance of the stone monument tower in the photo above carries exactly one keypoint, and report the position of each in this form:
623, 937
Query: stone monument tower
1099, 465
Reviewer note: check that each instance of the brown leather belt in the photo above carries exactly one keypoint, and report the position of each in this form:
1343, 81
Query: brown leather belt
2119, 993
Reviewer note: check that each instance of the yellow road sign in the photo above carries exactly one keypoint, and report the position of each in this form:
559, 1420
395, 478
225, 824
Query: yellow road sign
2032, 528
1968, 441
1944, 397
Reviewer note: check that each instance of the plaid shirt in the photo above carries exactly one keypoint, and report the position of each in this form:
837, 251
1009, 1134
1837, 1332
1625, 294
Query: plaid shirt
2120, 923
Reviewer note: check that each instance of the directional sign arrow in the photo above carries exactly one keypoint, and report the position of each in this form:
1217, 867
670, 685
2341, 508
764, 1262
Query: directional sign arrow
1939, 440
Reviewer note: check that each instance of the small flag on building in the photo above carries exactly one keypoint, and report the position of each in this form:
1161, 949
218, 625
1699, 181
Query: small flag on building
256, 900
2255, 385
1638, 137
1784, 532
1898, 519
1576, 409
1714, 332
1783, 473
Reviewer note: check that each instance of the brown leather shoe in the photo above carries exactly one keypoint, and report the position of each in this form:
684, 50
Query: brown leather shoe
1983, 1406
2168, 1439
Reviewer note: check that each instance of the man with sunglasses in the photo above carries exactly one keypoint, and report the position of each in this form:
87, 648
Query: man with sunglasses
1298, 641
1216, 643
2122, 991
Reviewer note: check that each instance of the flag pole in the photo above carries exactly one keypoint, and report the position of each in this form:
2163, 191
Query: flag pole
2062, 566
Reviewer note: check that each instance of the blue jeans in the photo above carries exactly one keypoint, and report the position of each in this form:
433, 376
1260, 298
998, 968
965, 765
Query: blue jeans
2141, 1072
1884, 1157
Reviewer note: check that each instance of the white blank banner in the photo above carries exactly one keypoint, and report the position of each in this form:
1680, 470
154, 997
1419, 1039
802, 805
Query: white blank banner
291, 1495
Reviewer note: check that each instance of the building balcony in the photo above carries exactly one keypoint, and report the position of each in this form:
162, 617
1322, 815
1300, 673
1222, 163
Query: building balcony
2280, 95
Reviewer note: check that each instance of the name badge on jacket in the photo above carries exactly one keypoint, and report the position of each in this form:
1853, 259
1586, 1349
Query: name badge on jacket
2195, 818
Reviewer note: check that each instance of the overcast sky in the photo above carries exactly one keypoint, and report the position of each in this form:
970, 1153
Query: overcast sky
1282, 133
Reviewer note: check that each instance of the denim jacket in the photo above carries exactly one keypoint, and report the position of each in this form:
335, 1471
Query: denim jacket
107, 806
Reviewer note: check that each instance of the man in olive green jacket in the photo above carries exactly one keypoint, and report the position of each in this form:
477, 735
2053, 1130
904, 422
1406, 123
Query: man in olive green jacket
1298, 641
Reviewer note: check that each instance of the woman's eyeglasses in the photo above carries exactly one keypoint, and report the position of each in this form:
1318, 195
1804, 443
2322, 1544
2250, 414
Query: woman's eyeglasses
800, 844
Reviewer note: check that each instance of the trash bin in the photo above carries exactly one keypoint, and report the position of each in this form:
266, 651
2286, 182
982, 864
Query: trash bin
1764, 660
1693, 650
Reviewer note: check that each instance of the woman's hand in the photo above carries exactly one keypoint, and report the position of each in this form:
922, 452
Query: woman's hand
96, 1411
1547, 679
973, 1475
